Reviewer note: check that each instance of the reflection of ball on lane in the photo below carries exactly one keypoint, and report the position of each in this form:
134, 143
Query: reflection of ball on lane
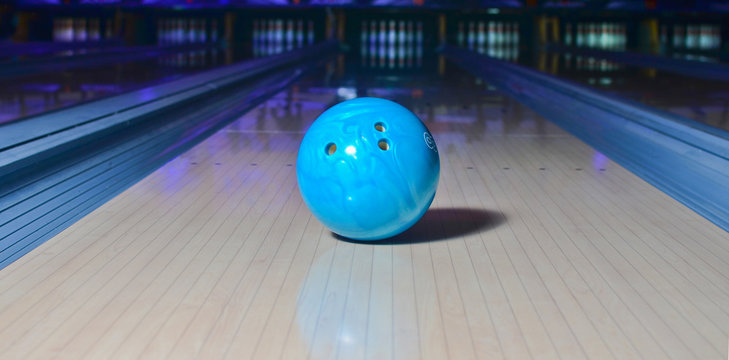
348, 301
368, 168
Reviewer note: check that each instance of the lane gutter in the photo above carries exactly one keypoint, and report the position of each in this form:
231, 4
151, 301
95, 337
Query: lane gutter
687, 160
49, 193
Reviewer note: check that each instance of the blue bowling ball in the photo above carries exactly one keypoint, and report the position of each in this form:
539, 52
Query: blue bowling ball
368, 168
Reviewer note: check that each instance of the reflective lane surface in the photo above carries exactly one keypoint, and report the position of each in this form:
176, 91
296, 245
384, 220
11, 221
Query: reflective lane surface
34, 94
702, 100
536, 246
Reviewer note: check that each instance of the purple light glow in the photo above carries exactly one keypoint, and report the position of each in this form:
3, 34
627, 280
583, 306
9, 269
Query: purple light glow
44, 88
599, 161
100, 1
42, 2
331, 2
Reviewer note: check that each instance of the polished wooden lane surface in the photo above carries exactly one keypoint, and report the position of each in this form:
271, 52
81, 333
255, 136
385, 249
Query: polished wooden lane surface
536, 247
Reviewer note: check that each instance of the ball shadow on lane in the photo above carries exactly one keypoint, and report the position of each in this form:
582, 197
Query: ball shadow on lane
441, 224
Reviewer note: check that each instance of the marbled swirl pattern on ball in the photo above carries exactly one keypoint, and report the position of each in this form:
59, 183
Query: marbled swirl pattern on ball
361, 191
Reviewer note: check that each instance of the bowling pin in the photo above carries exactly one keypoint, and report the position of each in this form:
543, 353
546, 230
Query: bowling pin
373, 27
515, 48
185, 38
500, 33
94, 33
481, 37
194, 34
716, 36
262, 36
280, 36
712, 37
411, 34
373, 52
300, 33
202, 34
65, 30
382, 48
391, 39
496, 38
401, 36
192, 30
256, 39
277, 36
109, 32
614, 41
568, 34
171, 32
471, 37
705, 37
262, 39
507, 34
263, 42
69, 30
79, 29
419, 43
410, 44
401, 52
310, 33
363, 39
580, 36
620, 37
214, 31
181, 36
691, 38
179, 30
460, 37
289, 35
267, 37
271, 37
373, 33
392, 34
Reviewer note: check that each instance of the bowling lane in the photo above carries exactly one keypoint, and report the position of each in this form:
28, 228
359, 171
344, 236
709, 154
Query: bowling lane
14, 51
22, 52
536, 246
702, 100
34, 94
